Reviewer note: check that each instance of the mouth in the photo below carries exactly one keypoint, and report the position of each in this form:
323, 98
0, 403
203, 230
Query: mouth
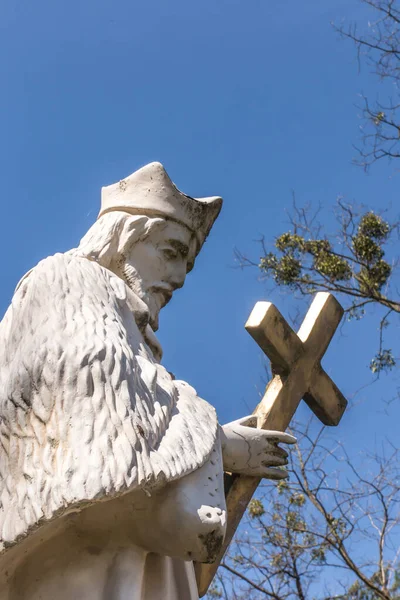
165, 291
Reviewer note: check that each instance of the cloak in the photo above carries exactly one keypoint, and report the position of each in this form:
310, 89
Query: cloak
86, 410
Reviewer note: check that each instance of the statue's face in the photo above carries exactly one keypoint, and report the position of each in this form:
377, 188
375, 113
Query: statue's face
157, 266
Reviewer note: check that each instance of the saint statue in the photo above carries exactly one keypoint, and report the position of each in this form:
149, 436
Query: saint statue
111, 471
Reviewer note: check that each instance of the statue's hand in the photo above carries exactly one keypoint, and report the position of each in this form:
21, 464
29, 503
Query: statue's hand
251, 451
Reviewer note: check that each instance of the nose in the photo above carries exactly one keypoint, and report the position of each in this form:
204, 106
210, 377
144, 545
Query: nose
177, 274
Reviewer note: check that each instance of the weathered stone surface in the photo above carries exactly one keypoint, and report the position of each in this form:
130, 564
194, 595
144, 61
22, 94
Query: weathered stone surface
111, 471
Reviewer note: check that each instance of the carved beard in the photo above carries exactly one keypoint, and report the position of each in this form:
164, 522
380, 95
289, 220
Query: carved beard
153, 301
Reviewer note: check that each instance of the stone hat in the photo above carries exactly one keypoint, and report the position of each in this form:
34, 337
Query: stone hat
150, 191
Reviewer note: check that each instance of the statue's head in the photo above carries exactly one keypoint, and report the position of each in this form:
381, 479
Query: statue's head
149, 234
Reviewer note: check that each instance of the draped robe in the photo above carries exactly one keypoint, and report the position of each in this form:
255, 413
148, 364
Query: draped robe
88, 418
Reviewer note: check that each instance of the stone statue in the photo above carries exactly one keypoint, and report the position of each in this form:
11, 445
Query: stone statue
111, 471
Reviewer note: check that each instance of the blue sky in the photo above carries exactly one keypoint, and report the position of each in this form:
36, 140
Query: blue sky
247, 100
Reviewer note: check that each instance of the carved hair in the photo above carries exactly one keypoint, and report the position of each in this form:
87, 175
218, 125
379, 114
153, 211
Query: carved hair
113, 235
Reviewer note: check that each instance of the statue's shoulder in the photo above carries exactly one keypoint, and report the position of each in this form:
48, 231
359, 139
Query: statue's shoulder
62, 266
70, 284
58, 261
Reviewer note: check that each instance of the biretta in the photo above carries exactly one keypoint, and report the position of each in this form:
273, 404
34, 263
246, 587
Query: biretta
150, 191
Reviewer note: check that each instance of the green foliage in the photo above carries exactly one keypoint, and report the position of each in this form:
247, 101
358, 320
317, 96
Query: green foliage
317, 247
383, 361
282, 486
302, 260
336, 525
289, 242
378, 118
297, 499
332, 266
372, 279
373, 226
285, 271
256, 508
318, 554
366, 249
290, 268
351, 264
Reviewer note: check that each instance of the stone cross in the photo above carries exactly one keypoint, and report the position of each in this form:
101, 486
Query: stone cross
295, 362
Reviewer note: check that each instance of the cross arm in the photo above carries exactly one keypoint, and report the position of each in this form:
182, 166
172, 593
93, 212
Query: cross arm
320, 323
324, 398
274, 335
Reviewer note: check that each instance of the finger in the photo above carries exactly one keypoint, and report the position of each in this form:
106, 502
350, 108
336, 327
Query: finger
274, 461
275, 474
275, 451
280, 437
